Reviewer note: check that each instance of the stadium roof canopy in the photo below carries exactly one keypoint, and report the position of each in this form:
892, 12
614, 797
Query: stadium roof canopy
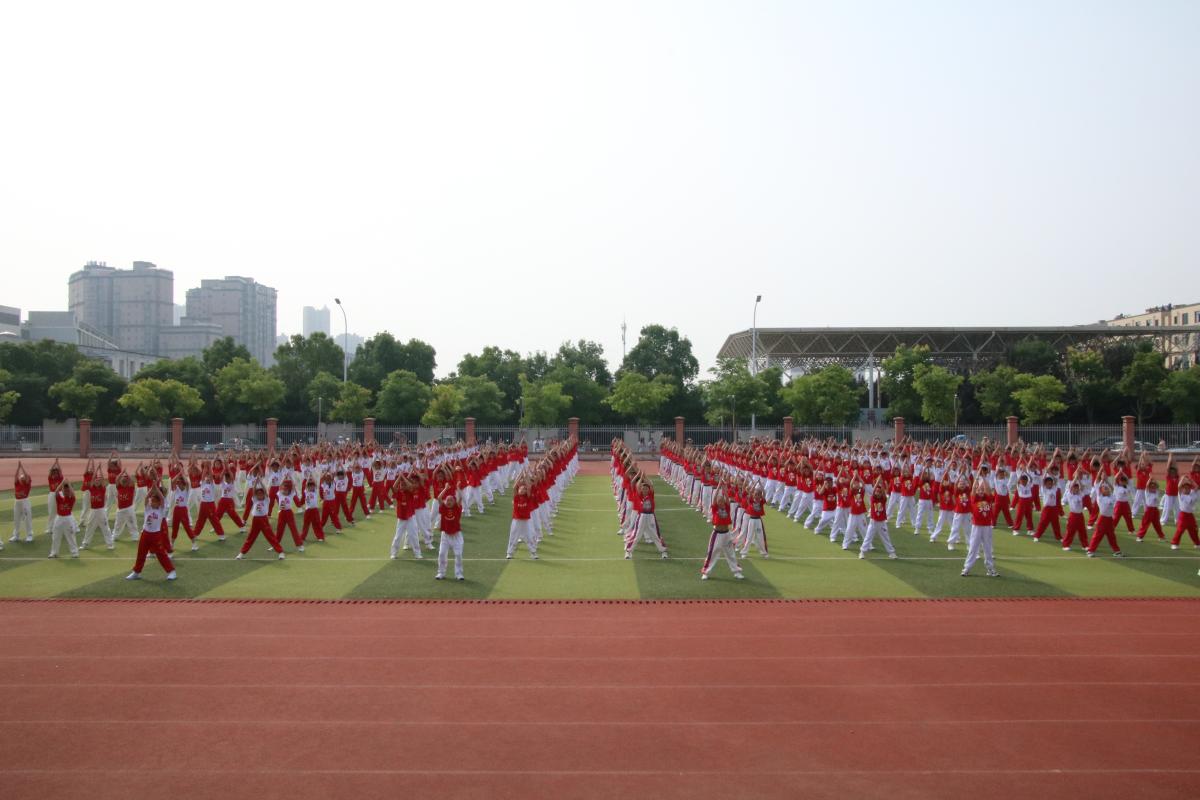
807, 349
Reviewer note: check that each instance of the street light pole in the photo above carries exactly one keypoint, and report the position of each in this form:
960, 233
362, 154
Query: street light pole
753, 358
345, 339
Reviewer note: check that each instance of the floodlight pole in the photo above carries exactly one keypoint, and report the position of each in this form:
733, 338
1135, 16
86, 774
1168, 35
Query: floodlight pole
753, 359
345, 339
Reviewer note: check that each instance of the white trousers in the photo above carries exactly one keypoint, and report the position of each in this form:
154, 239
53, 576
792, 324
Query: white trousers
64, 527
877, 529
406, 534
645, 529
981, 540
755, 534
720, 545
97, 521
22, 518
126, 520
521, 529
956, 527
450, 542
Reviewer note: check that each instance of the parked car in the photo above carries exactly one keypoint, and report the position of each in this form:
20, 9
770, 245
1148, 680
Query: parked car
1194, 447
1117, 443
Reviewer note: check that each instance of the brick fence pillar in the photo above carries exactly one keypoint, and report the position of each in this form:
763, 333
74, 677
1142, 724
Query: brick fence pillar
85, 437
898, 422
573, 428
1127, 431
787, 429
272, 433
470, 424
177, 435
1013, 431
369, 430
679, 431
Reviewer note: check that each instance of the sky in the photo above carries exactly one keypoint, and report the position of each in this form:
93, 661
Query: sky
520, 174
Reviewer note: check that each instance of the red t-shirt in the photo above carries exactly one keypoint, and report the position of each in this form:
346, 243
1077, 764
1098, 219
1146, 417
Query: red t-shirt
720, 516
521, 506
451, 518
97, 493
981, 511
65, 505
879, 510
21, 487
125, 495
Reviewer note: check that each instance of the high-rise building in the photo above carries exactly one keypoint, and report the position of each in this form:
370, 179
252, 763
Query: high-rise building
130, 307
62, 326
10, 321
316, 320
242, 308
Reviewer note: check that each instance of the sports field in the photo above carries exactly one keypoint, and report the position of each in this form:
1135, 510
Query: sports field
583, 560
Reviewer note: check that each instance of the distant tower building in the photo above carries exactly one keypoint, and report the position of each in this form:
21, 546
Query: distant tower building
316, 320
130, 307
242, 308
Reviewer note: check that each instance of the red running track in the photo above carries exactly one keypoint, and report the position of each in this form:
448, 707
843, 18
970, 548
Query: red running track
917, 699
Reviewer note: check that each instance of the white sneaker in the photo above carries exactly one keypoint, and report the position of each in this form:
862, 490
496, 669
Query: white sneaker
949, 547
438, 577
14, 538
460, 578
282, 556
300, 549
238, 557
393, 556
1174, 547
893, 556
664, 555
739, 576
508, 555
133, 576
171, 575
195, 547
862, 554
628, 555
703, 576
29, 538
220, 538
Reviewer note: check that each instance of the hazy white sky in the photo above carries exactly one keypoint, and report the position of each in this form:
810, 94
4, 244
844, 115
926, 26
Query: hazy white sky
524, 173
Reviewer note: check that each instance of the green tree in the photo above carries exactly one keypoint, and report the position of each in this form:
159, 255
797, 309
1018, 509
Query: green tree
246, 391
382, 354
154, 400
352, 404
1180, 392
481, 399
663, 351
8, 397
734, 393
322, 392
402, 399
189, 371
503, 368
936, 387
34, 367
773, 378
1091, 385
297, 362
1035, 357
829, 396
444, 407
222, 352
537, 364
545, 403
640, 399
77, 399
587, 355
898, 381
1142, 381
1040, 398
587, 395
994, 392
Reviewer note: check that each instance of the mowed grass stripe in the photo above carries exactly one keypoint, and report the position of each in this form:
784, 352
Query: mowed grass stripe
583, 560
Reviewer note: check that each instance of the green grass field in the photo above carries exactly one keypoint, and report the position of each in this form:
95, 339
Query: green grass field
583, 560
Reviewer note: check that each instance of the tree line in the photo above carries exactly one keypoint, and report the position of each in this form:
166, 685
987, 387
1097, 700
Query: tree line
657, 380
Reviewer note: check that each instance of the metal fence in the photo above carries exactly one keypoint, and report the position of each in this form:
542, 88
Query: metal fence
1168, 437
20, 438
964, 433
1078, 436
